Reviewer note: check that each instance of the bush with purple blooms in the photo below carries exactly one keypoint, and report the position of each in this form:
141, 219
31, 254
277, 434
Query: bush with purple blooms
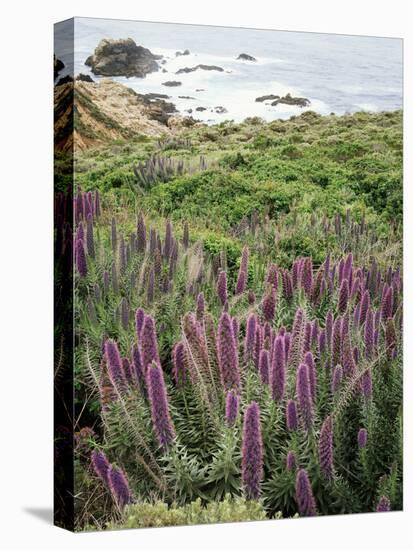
233, 367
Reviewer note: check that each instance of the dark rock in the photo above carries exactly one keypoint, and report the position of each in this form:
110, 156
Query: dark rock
200, 109
64, 80
122, 58
201, 66
164, 71
245, 57
220, 110
84, 77
267, 97
200, 90
172, 83
185, 97
290, 100
58, 65
185, 52
189, 111
152, 96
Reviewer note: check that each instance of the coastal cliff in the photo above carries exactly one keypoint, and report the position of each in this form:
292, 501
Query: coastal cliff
88, 114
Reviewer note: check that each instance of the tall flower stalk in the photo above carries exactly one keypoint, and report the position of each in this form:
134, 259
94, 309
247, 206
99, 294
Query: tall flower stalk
158, 399
252, 452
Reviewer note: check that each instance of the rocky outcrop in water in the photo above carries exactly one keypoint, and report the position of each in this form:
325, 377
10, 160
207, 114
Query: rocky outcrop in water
198, 67
172, 83
290, 100
84, 77
122, 58
185, 52
245, 57
58, 65
267, 97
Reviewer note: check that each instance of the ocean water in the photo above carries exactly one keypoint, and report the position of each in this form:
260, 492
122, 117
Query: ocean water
337, 73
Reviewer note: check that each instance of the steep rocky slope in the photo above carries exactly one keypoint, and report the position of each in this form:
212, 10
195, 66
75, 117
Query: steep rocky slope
99, 112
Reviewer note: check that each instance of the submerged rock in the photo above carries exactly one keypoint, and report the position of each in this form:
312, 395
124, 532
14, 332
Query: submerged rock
200, 109
246, 57
185, 97
172, 83
185, 52
122, 58
200, 66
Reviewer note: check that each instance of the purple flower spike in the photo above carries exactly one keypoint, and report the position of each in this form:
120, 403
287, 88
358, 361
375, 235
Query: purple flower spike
295, 351
124, 313
268, 305
312, 373
222, 287
304, 495
364, 306
250, 337
158, 399
362, 438
336, 342
179, 360
139, 319
292, 418
278, 369
287, 285
307, 276
241, 283
369, 334
141, 234
244, 259
305, 402
291, 462
337, 378
200, 306
168, 239
115, 368
264, 366
367, 385
81, 258
90, 242
252, 452
387, 305
272, 276
137, 368
343, 296
228, 354
100, 464
383, 505
149, 343
321, 341
231, 407
325, 449
119, 487
329, 328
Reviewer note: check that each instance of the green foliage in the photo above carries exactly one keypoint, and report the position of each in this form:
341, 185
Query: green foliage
160, 515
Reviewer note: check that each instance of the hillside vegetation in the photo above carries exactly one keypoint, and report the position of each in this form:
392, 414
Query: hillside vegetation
238, 301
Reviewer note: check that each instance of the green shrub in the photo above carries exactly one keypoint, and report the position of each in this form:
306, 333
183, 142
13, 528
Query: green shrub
160, 515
